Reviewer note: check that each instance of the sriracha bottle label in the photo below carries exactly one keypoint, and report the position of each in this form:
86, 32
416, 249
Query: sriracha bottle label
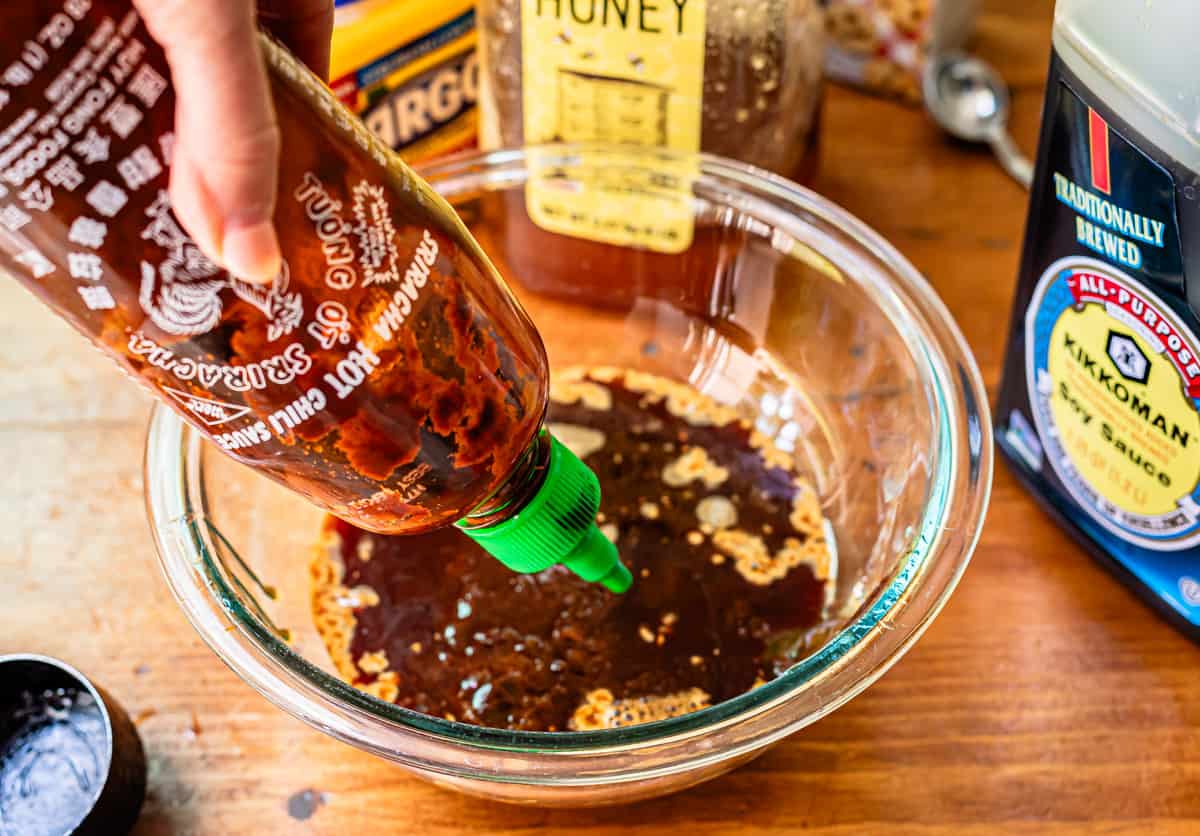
386, 372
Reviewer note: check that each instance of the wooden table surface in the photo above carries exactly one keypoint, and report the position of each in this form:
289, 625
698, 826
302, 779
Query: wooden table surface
1044, 699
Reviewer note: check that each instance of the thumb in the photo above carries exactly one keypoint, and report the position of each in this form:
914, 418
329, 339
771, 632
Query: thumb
225, 167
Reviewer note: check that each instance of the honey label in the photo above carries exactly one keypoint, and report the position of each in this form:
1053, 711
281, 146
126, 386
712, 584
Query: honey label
1114, 381
621, 73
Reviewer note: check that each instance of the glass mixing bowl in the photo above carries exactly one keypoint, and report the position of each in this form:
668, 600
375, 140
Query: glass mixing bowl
780, 305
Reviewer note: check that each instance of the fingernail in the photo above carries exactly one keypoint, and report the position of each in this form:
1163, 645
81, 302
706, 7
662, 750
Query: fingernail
252, 252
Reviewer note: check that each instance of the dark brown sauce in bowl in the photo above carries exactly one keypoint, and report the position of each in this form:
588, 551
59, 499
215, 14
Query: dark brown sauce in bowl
725, 540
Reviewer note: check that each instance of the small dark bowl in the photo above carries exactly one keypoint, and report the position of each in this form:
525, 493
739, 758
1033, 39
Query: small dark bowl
71, 760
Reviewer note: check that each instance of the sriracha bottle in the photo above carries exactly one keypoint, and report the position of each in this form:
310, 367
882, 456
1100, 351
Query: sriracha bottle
387, 373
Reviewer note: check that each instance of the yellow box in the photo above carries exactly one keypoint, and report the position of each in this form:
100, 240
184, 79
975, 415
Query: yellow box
409, 69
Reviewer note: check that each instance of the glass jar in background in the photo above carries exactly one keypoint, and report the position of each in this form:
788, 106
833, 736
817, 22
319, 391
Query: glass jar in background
730, 77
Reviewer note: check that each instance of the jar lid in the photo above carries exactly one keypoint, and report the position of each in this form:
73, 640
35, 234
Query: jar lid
71, 760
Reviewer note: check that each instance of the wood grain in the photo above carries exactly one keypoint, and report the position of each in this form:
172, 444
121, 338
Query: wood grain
1045, 699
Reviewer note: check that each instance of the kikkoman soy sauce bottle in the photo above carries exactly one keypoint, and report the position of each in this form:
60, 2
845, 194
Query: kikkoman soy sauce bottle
1099, 408
387, 373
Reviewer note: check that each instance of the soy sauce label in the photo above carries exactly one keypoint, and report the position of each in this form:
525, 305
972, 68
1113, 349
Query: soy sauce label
1112, 372
1098, 408
1106, 198
1114, 385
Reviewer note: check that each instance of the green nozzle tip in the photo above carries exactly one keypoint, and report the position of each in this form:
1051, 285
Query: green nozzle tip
558, 526
595, 560
618, 580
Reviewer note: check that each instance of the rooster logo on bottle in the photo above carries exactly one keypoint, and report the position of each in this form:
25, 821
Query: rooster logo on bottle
182, 293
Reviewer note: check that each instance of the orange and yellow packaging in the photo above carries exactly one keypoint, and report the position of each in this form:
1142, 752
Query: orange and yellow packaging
409, 69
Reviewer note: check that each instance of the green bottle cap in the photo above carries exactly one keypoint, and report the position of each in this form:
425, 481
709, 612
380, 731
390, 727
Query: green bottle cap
558, 526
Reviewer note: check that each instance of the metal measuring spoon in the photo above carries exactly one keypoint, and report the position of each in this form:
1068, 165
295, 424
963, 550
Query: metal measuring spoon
970, 101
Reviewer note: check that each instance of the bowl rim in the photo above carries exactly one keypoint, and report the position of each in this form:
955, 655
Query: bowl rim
188, 544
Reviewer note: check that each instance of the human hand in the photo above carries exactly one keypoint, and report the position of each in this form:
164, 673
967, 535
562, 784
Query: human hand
225, 165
